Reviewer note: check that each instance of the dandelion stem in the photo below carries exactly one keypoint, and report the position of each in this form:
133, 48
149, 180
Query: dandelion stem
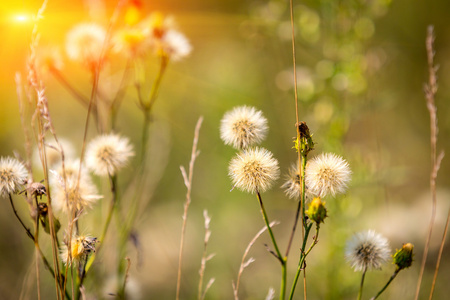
387, 284
147, 107
362, 284
279, 256
20, 220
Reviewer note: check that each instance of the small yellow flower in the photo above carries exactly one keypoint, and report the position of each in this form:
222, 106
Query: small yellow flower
80, 247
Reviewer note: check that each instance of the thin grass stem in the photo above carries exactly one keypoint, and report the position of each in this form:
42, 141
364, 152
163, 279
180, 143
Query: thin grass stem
188, 183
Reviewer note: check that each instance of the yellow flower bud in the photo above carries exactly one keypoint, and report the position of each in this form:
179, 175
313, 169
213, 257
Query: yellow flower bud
403, 258
317, 211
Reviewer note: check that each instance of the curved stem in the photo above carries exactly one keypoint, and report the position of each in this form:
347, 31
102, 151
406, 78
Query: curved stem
30, 235
278, 253
387, 284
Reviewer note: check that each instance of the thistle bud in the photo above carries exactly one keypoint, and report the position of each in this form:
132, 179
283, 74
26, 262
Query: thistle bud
403, 258
317, 211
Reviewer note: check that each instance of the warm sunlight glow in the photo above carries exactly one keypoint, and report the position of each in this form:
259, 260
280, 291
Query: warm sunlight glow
21, 18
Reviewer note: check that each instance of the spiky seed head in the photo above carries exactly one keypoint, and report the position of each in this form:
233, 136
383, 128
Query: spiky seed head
13, 175
254, 170
367, 250
108, 153
327, 174
403, 257
243, 126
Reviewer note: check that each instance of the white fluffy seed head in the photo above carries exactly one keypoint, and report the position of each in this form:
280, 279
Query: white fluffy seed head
367, 250
292, 186
13, 175
327, 174
254, 170
70, 194
243, 127
85, 43
108, 153
175, 45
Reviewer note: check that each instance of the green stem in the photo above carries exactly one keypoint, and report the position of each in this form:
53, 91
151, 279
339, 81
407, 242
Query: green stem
361, 285
113, 206
387, 284
278, 253
304, 255
147, 107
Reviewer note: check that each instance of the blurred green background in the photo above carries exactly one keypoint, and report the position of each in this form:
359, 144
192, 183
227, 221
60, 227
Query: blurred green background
361, 69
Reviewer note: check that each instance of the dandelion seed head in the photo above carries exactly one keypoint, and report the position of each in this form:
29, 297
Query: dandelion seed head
80, 195
327, 174
367, 250
243, 127
174, 45
84, 43
292, 185
80, 246
254, 170
13, 175
54, 154
108, 153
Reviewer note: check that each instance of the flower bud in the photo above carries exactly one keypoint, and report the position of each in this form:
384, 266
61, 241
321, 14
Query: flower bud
403, 258
317, 211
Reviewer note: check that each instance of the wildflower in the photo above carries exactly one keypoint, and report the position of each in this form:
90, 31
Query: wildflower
13, 175
243, 126
317, 211
174, 45
108, 153
133, 41
254, 170
158, 24
403, 258
367, 250
81, 193
133, 12
80, 247
327, 174
85, 43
